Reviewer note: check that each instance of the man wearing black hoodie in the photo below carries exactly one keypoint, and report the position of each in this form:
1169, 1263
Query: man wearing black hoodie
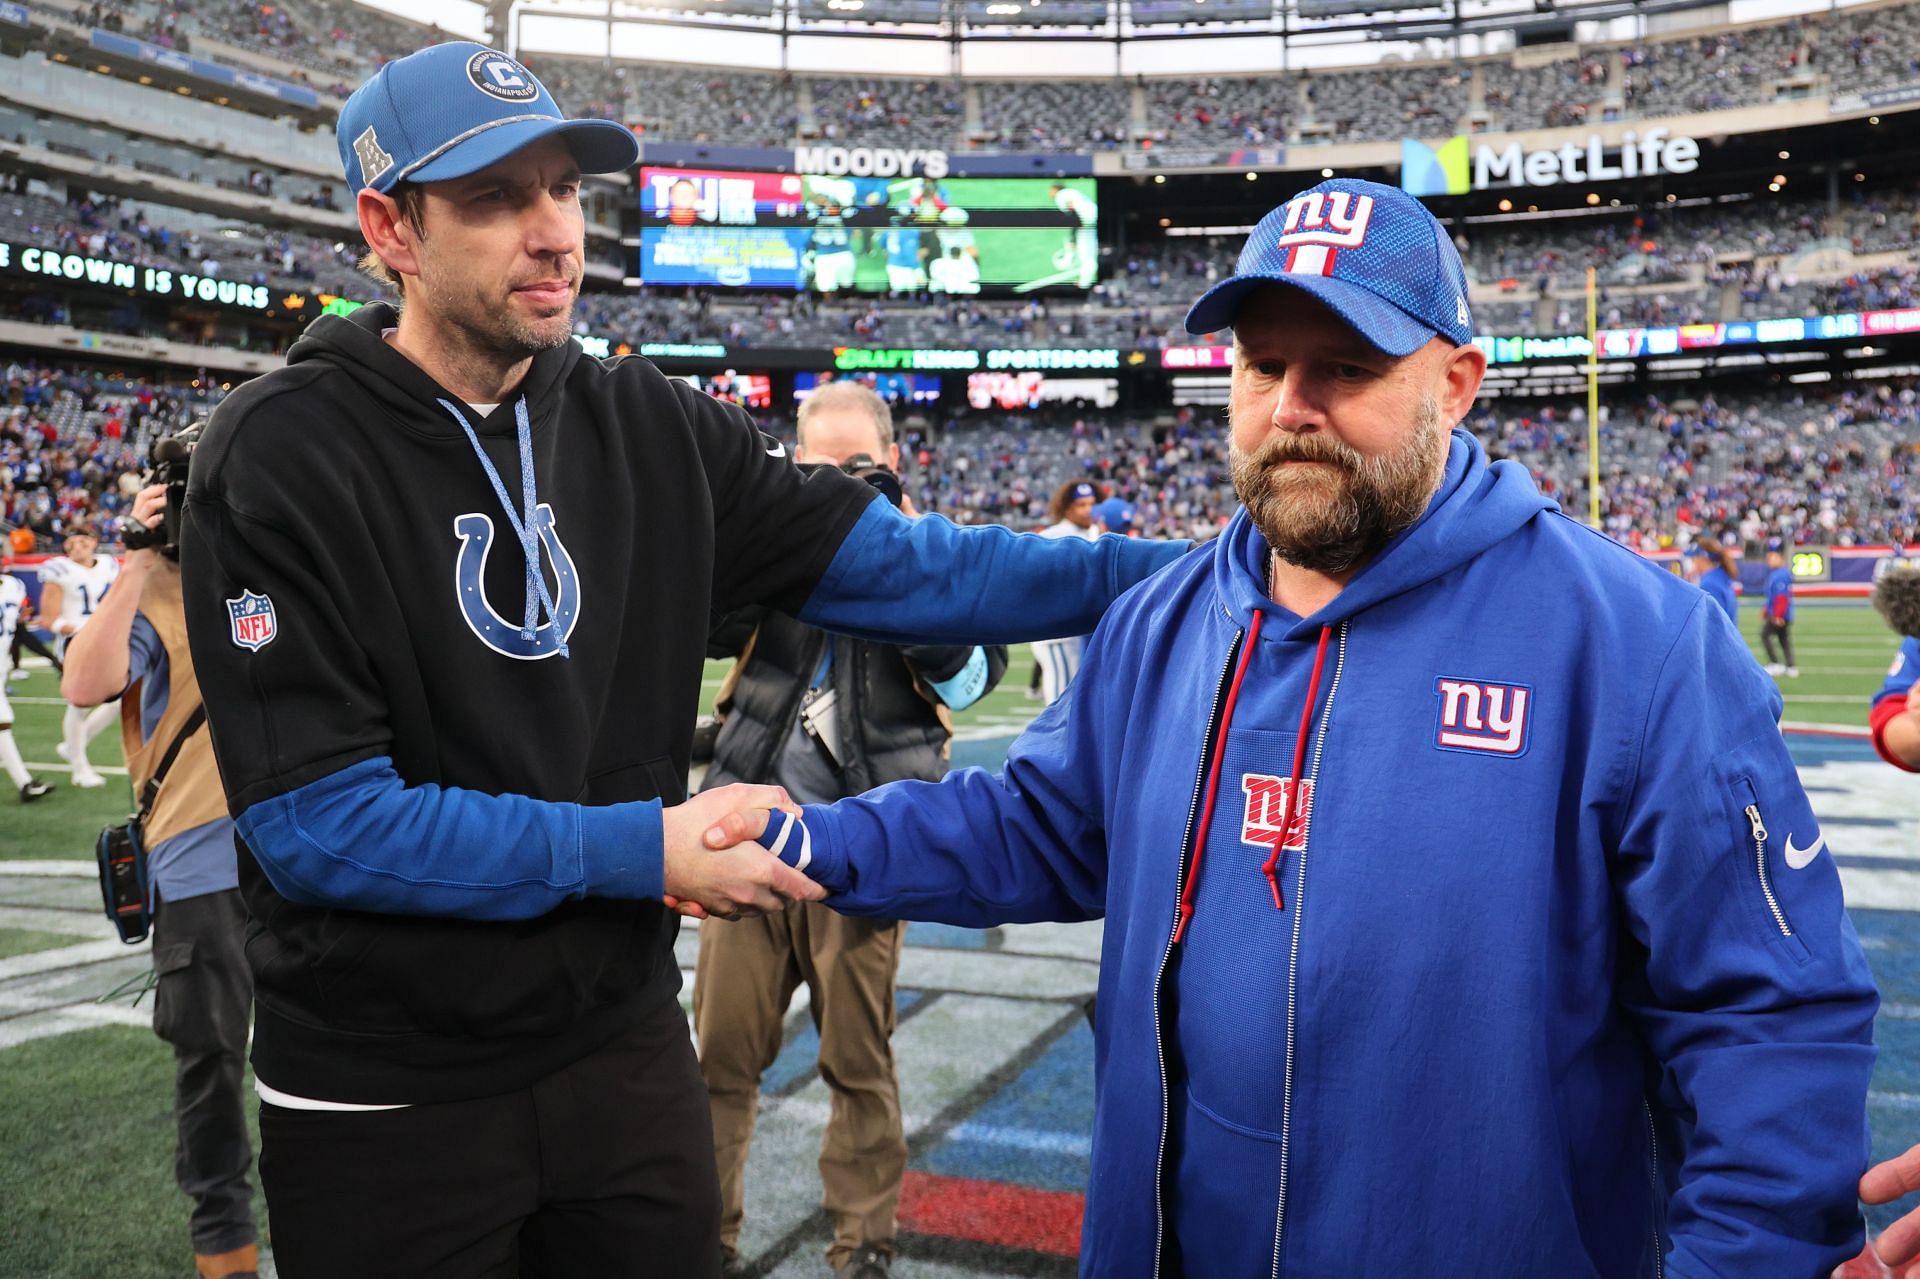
459, 776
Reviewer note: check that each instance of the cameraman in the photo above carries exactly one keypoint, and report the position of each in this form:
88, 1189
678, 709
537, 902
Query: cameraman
135, 648
824, 716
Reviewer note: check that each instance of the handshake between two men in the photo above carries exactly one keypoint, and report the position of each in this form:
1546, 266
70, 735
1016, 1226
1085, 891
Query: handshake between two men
713, 867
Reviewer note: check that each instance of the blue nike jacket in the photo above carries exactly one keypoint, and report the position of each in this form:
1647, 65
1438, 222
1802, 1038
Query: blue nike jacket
1475, 926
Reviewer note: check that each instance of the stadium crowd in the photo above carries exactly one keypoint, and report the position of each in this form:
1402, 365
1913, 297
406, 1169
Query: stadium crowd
72, 440
1808, 465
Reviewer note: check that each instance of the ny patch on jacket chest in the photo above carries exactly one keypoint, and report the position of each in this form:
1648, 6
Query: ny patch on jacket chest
1267, 824
1481, 717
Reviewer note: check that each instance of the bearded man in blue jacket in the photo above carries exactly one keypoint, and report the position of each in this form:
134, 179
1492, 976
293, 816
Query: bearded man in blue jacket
1464, 912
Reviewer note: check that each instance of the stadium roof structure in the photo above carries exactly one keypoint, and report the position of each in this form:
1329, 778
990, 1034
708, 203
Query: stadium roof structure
1359, 20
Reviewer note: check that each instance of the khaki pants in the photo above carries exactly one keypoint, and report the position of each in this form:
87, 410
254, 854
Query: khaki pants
747, 975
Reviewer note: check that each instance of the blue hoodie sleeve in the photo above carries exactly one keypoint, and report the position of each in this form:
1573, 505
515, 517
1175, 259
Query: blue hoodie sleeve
978, 849
362, 839
897, 580
1755, 994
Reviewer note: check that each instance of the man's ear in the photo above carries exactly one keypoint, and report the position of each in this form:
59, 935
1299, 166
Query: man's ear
1460, 381
392, 238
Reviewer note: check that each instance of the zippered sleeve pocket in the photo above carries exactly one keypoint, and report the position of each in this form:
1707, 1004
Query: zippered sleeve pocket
1764, 865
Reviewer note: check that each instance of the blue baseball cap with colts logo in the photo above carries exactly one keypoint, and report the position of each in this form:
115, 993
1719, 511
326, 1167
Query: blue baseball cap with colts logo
1371, 252
453, 109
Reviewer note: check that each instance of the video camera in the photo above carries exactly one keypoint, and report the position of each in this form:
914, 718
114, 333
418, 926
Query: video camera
862, 467
168, 461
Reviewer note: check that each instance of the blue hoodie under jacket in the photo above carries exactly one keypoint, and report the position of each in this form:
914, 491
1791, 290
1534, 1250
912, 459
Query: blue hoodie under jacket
1550, 975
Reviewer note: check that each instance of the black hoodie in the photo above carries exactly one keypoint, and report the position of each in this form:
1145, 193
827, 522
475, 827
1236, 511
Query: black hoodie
332, 509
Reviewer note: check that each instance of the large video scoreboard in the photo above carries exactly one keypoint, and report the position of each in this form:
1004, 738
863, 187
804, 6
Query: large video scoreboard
867, 235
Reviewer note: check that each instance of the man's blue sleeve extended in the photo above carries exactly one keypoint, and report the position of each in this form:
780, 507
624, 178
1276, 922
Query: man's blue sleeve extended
897, 580
363, 839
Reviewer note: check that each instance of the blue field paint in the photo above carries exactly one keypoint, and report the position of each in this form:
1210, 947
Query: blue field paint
800, 1056
1808, 749
986, 752
1892, 939
1033, 1132
946, 936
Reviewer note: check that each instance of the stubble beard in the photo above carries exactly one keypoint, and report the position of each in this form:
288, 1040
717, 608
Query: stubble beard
1332, 518
491, 323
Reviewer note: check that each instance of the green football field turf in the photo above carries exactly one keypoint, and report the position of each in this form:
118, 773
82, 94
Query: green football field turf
87, 1179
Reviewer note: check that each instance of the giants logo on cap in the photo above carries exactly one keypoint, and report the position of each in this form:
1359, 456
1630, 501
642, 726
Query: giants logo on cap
1267, 809
1320, 224
1487, 719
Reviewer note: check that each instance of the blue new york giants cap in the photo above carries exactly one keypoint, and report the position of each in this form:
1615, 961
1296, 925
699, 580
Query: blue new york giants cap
1373, 253
453, 109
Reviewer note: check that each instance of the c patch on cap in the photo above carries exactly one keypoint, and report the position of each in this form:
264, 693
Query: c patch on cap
374, 160
498, 76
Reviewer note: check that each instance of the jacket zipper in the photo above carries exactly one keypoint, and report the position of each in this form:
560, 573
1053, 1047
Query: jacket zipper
1293, 955
1653, 1156
1760, 863
1160, 977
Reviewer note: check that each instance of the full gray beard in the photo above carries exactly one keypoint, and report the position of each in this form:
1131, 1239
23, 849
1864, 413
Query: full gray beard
1375, 498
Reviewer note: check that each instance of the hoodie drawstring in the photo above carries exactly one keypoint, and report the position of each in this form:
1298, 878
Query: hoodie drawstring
523, 523
1271, 867
1213, 780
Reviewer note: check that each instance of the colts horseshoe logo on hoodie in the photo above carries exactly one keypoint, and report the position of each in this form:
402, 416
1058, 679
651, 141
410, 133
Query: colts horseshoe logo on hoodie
475, 531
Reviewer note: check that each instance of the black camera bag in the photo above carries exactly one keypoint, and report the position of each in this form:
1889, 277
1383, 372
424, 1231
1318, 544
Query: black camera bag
122, 850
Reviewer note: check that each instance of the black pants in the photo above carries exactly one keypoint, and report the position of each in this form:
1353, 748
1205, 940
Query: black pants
201, 1008
603, 1169
23, 637
1770, 631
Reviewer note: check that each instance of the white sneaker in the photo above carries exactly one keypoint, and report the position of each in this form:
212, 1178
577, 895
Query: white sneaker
1793, 672
18, 674
1771, 668
88, 780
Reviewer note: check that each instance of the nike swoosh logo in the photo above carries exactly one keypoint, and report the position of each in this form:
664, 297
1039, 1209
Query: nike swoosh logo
1801, 858
778, 450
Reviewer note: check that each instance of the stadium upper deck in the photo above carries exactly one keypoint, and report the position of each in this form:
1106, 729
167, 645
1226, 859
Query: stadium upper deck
326, 46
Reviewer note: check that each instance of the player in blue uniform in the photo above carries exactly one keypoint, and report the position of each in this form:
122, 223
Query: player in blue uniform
1776, 616
1717, 575
1463, 906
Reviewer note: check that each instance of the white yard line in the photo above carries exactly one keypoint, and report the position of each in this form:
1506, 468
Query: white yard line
49, 869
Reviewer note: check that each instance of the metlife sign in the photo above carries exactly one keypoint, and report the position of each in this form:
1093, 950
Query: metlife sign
1448, 169
153, 281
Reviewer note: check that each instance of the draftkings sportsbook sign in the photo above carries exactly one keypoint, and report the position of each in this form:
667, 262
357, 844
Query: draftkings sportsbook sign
160, 282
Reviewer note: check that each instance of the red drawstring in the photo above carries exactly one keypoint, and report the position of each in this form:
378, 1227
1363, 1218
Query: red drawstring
1213, 778
1269, 869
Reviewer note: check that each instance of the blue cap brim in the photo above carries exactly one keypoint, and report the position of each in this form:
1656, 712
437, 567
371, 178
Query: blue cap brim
1379, 321
600, 146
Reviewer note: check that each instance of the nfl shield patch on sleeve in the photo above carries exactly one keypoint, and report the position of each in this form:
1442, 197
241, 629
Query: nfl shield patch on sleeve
253, 620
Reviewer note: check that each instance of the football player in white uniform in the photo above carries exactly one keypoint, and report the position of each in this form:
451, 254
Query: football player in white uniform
1082, 250
71, 587
955, 267
13, 594
1072, 511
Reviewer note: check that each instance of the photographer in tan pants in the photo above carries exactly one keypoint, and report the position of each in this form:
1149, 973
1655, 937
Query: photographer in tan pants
824, 716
